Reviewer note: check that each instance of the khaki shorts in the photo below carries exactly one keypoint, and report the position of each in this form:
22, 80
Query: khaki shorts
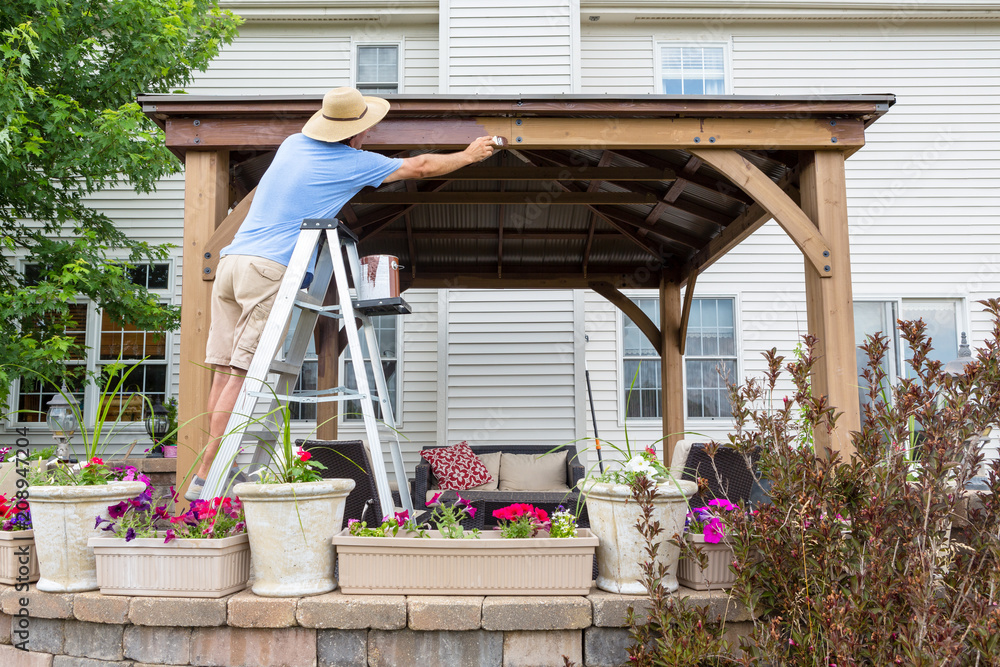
242, 294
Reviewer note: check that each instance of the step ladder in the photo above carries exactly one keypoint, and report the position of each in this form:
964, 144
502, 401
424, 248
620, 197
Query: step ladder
272, 379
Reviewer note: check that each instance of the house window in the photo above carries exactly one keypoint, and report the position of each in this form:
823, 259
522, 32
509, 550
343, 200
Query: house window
710, 357
377, 69
944, 324
693, 69
100, 342
710, 360
386, 334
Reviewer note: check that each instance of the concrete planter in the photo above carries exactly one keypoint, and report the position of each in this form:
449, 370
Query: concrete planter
620, 554
491, 565
63, 518
717, 576
291, 527
9, 476
190, 568
18, 560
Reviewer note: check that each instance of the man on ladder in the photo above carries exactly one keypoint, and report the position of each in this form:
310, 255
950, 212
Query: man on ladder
313, 175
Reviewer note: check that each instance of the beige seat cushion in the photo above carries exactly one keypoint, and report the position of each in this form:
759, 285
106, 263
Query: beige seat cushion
533, 472
492, 463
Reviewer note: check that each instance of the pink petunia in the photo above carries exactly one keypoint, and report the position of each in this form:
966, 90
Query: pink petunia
714, 531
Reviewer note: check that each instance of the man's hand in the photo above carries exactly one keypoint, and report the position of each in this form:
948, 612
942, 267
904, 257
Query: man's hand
430, 165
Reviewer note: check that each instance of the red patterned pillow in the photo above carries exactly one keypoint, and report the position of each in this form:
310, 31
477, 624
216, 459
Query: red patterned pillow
457, 468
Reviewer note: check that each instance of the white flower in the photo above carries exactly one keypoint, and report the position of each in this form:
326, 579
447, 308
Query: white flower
639, 464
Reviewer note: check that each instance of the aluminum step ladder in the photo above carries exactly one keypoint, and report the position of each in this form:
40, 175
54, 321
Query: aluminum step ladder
273, 379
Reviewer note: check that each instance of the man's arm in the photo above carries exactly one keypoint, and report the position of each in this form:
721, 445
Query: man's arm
435, 164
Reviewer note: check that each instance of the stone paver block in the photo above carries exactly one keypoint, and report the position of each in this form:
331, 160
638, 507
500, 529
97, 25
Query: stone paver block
390, 648
96, 608
605, 647
611, 609
71, 661
4, 629
251, 647
352, 612
720, 604
341, 648
12, 657
44, 635
174, 612
247, 610
39, 604
100, 641
147, 465
561, 612
544, 648
164, 646
441, 612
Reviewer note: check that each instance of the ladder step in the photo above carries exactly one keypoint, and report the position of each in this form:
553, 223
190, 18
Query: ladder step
319, 396
283, 367
391, 306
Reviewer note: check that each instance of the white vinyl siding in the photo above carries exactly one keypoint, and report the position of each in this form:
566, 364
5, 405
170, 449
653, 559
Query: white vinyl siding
525, 47
510, 366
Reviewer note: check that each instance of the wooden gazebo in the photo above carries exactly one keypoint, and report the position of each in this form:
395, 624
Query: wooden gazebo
593, 192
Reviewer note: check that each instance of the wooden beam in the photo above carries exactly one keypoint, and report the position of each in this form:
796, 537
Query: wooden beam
672, 402
531, 197
531, 277
829, 301
723, 187
735, 233
686, 312
223, 236
577, 173
666, 231
491, 235
455, 133
591, 231
384, 218
632, 311
326, 337
206, 201
769, 195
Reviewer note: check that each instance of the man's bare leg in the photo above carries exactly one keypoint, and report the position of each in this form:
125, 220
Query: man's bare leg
226, 385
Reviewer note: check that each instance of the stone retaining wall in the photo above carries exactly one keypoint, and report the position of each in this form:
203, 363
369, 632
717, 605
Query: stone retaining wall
332, 630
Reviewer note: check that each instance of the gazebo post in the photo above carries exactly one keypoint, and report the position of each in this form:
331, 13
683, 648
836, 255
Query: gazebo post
328, 368
829, 301
206, 203
671, 366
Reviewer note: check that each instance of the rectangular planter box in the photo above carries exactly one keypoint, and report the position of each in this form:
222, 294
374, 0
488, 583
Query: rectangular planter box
11, 543
182, 568
717, 576
490, 565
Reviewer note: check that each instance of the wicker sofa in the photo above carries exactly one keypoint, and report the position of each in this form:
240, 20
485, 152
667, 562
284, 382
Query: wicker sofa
424, 481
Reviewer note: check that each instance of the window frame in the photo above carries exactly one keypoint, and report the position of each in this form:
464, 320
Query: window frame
727, 62
398, 44
622, 381
92, 361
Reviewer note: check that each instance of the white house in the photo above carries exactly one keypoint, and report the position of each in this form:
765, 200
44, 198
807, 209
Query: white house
509, 365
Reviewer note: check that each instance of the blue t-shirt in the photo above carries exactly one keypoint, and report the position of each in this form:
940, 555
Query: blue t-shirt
307, 179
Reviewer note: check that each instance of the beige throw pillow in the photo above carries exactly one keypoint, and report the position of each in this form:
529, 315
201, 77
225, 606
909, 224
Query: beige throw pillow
492, 463
533, 472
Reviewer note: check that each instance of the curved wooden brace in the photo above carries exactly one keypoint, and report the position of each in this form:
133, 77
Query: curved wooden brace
634, 312
223, 236
799, 227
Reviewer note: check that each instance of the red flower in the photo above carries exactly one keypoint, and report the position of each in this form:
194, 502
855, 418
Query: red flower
651, 451
304, 455
96, 461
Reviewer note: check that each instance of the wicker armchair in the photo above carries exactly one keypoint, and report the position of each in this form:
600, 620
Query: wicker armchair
348, 459
547, 500
734, 481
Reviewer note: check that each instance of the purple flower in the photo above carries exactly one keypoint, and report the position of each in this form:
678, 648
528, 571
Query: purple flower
98, 521
109, 528
402, 517
130, 534
118, 511
723, 503
170, 535
434, 499
472, 511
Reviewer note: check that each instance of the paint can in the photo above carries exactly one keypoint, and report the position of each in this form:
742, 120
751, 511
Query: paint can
379, 277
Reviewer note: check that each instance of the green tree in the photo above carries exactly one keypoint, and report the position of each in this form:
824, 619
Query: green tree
69, 126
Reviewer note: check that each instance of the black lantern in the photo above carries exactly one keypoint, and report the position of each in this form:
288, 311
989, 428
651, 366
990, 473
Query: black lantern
157, 425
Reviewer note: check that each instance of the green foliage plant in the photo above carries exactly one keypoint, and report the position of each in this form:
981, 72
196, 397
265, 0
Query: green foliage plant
70, 71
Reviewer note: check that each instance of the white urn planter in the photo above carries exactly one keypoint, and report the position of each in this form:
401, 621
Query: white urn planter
621, 550
291, 529
63, 518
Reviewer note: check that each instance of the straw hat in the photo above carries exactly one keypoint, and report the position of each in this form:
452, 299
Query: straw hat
345, 113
